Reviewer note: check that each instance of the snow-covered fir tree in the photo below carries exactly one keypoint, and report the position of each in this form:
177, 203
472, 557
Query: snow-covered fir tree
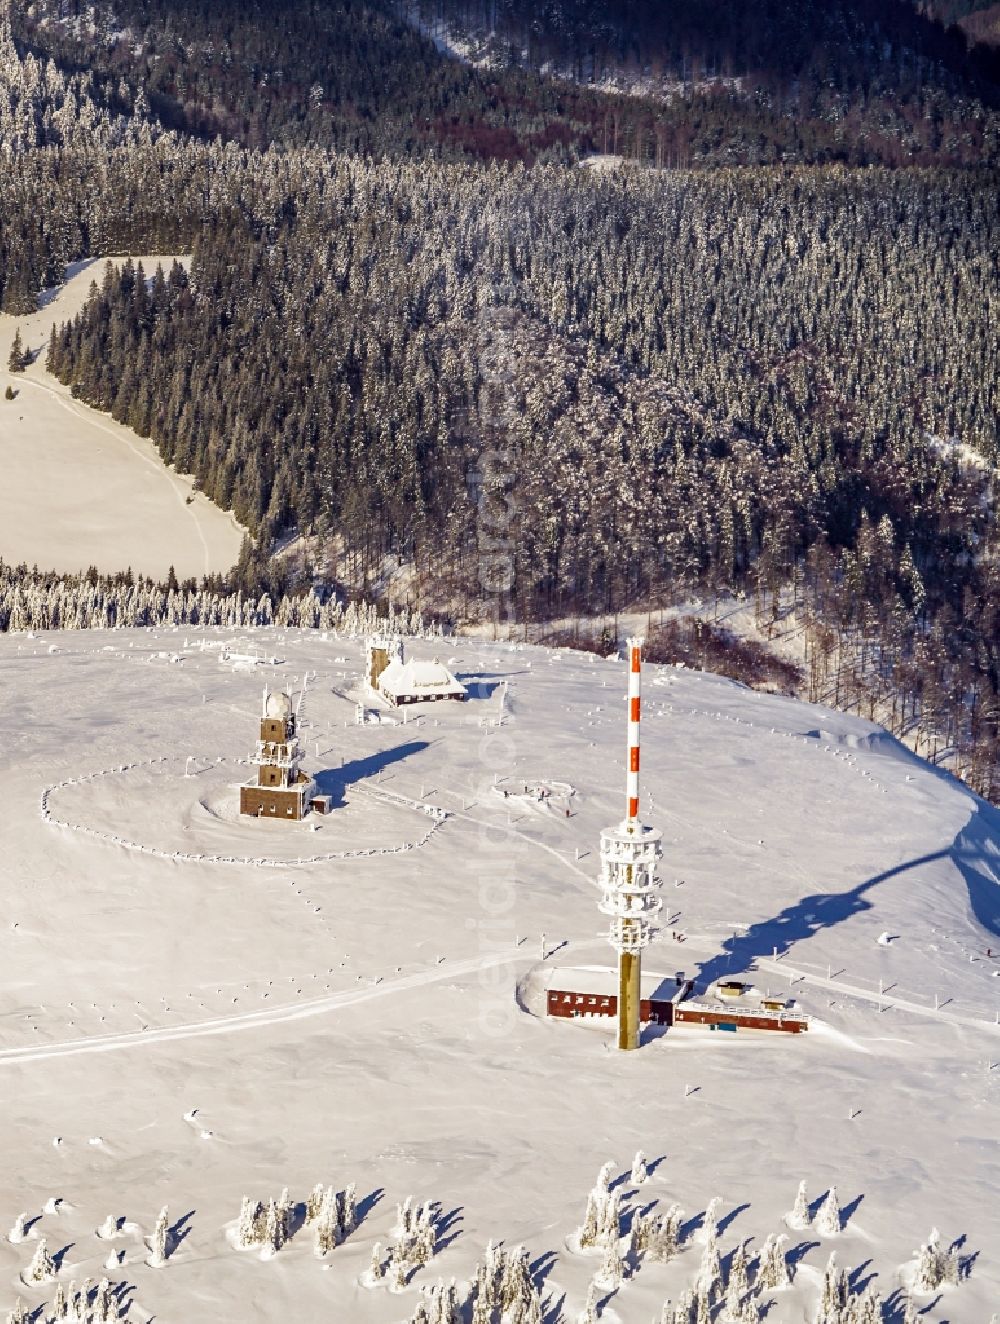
326, 1223
834, 1292
639, 1173
158, 1247
799, 1216
516, 1286
105, 1305
709, 1280
738, 1283
17, 1233
709, 1230
609, 1225
869, 1306
398, 1271
612, 1269
349, 1211
658, 1236
702, 1305
750, 1313
587, 1235
772, 1272
684, 1309
827, 1222
588, 1315
17, 1315
935, 1265
377, 1267
314, 1202
252, 1223
42, 1268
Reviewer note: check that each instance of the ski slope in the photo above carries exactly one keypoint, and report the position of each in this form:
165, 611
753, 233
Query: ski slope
90, 491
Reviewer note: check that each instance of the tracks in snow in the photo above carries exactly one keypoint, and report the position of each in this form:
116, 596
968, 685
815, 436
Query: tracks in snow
255, 1019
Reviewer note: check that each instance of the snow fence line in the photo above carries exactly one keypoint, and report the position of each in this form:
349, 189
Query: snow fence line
434, 812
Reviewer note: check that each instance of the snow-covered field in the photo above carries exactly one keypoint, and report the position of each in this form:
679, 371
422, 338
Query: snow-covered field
185, 1031
81, 489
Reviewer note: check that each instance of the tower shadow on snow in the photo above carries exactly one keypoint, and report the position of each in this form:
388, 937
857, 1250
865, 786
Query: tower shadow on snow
975, 852
335, 781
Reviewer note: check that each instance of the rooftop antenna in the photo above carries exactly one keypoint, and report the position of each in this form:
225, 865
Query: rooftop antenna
629, 854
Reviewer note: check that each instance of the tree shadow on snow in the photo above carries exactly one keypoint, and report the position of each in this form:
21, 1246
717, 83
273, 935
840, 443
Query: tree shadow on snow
859, 1279
446, 1229
731, 1217
542, 1267
178, 1232
59, 1256
799, 1252
335, 781
553, 1310
124, 1294
364, 1207
848, 1211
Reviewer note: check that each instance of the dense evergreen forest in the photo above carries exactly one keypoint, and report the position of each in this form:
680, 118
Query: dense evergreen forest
756, 356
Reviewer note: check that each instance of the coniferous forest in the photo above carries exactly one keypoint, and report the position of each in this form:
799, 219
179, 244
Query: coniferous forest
752, 352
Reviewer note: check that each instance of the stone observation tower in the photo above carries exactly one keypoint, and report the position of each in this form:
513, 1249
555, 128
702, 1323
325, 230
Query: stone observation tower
280, 789
629, 854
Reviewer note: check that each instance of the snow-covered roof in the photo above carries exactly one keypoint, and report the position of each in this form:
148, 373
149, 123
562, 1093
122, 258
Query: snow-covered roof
600, 981
419, 679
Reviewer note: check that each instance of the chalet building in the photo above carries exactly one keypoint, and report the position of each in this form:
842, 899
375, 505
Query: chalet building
400, 681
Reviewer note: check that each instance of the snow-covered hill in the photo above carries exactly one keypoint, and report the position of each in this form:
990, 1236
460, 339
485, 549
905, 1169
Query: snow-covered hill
180, 1027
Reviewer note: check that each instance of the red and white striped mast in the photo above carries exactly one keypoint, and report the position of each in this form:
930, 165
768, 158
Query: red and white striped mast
634, 708
629, 855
